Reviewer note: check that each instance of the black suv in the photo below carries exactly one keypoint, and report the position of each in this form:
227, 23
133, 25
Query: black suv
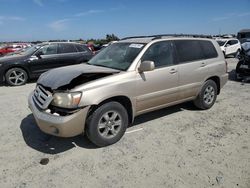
17, 68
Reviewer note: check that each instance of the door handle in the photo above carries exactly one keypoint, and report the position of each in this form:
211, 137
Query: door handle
203, 64
172, 71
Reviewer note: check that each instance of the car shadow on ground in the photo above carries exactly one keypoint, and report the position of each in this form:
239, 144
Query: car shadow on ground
48, 144
45, 143
164, 112
232, 77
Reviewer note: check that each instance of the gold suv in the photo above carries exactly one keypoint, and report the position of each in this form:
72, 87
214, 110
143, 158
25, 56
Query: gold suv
128, 78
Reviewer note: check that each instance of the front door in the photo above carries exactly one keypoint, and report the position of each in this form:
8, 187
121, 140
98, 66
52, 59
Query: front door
47, 59
158, 87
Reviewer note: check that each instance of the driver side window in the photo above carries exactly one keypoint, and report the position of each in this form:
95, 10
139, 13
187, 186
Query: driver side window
161, 53
48, 50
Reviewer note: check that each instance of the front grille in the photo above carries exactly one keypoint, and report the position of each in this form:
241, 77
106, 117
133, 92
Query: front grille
42, 97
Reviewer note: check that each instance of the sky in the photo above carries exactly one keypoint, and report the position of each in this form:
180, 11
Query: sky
29, 20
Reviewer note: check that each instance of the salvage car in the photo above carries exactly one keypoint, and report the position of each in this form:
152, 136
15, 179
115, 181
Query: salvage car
31, 63
243, 35
243, 66
128, 78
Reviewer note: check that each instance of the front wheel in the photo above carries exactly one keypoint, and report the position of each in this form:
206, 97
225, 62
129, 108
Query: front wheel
107, 124
207, 95
237, 55
16, 77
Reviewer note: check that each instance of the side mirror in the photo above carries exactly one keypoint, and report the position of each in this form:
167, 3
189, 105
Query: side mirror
38, 54
33, 57
146, 66
227, 45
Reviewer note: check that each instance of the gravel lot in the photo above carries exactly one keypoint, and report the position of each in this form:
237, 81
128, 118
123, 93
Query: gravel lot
174, 147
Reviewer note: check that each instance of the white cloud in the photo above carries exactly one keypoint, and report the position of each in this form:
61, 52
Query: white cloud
4, 19
59, 25
244, 14
38, 2
16, 18
88, 12
231, 16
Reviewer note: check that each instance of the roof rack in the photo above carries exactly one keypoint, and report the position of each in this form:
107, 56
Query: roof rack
136, 37
154, 37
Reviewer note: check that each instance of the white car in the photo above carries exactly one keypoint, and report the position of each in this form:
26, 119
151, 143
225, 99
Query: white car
230, 46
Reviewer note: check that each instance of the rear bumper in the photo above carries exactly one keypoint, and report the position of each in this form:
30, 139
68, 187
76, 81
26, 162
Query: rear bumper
223, 80
62, 126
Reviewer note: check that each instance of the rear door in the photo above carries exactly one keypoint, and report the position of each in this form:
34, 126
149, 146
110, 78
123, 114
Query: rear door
158, 87
85, 54
67, 54
193, 68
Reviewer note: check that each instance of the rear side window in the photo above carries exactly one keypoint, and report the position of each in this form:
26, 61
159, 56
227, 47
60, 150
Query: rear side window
188, 50
208, 49
82, 48
67, 48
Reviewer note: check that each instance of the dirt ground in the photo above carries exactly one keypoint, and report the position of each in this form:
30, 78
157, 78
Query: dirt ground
175, 147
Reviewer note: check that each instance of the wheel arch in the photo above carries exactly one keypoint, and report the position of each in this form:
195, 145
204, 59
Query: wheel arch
216, 79
123, 100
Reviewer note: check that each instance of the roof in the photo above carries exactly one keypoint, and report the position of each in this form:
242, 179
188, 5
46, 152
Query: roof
244, 31
147, 39
138, 40
59, 43
225, 39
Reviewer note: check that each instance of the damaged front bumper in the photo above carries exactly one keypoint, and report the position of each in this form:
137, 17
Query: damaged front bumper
62, 126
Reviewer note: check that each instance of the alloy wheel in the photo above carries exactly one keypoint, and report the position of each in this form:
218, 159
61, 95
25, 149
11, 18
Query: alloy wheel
110, 124
17, 77
209, 95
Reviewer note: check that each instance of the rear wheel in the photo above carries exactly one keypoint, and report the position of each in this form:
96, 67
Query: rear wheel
207, 95
16, 76
107, 124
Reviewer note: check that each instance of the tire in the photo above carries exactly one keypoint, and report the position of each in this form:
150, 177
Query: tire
238, 72
237, 69
16, 77
207, 95
237, 54
107, 124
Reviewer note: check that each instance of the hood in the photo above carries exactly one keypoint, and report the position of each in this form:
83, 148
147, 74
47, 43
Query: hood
70, 76
14, 58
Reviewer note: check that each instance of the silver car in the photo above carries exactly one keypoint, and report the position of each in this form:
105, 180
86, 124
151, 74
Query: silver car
126, 79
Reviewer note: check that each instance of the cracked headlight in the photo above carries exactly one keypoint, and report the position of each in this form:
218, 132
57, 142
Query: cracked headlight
67, 100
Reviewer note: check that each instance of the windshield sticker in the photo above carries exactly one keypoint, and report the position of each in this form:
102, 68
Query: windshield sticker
136, 45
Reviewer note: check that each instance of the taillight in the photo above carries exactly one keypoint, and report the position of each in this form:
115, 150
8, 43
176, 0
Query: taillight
226, 66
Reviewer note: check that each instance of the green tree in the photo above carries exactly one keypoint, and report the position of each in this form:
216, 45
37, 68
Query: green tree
111, 37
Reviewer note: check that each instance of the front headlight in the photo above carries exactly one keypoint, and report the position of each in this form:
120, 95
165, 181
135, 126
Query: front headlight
67, 100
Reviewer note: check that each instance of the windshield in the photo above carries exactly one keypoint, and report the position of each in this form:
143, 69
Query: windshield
117, 56
221, 43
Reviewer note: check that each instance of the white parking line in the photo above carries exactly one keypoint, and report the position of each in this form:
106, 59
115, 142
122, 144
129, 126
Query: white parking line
127, 132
